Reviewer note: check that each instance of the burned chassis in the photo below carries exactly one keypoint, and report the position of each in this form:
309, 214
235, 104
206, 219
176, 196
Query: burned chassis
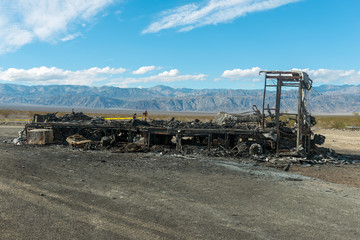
304, 121
265, 133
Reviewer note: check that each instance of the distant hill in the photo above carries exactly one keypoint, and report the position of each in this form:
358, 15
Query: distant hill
322, 99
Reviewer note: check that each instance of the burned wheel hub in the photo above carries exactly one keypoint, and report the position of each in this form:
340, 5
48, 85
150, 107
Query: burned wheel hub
255, 149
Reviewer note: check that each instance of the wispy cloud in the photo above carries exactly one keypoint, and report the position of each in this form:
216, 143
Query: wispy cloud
24, 21
70, 37
143, 70
92, 76
241, 73
331, 76
121, 77
53, 75
328, 76
210, 12
173, 75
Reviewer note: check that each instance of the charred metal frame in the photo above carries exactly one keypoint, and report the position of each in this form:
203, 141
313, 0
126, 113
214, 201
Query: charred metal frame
152, 135
263, 133
296, 79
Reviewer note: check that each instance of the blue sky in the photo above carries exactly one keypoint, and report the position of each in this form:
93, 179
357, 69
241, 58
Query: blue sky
178, 43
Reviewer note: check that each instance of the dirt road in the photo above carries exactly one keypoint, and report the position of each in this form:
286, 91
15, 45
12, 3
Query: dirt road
54, 192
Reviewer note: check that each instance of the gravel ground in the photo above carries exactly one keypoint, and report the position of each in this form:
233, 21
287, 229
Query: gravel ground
54, 192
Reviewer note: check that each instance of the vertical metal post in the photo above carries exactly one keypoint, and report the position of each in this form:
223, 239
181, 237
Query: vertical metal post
263, 107
149, 139
226, 140
277, 111
178, 143
299, 119
210, 141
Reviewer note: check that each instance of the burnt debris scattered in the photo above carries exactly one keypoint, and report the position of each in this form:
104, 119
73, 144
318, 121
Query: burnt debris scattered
266, 135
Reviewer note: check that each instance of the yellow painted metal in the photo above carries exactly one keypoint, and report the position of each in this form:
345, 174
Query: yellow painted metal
14, 120
26, 120
128, 118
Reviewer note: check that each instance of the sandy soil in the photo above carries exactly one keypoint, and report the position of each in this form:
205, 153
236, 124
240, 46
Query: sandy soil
54, 192
347, 143
342, 141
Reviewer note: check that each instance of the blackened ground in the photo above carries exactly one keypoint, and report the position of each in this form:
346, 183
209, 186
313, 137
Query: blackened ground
54, 192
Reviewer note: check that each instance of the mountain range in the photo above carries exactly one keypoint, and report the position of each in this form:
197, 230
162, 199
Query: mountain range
321, 99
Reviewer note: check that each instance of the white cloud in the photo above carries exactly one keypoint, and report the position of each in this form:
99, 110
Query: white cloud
167, 76
115, 76
333, 76
241, 73
210, 12
107, 76
24, 21
171, 73
144, 70
70, 37
328, 76
53, 75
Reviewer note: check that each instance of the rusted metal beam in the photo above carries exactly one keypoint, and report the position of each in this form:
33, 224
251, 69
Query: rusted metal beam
210, 139
288, 78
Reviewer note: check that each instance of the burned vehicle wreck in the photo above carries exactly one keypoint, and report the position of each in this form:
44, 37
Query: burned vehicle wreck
268, 131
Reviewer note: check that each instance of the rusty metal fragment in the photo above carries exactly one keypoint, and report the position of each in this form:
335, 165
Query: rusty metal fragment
78, 141
40, 136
